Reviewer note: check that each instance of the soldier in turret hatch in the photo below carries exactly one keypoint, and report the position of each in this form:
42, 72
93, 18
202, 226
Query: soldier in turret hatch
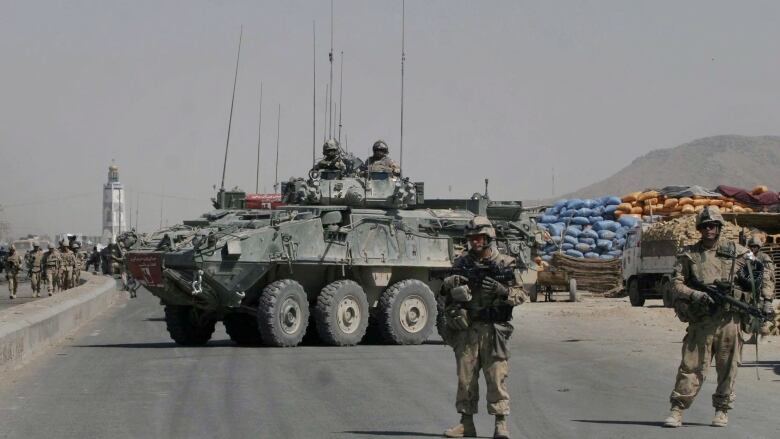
381, 161
332, 160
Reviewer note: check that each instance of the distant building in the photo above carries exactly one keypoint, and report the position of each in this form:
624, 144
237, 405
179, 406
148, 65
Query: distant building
113, 206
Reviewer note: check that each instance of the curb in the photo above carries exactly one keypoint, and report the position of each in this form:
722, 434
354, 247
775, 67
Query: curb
28, 329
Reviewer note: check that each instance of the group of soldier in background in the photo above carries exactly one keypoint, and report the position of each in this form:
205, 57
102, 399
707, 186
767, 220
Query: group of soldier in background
59, 268
334, 160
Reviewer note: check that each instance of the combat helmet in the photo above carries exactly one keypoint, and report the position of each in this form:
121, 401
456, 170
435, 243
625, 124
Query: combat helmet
480, 225
36, 245
380, 146
754, 241
710, 214
330, 145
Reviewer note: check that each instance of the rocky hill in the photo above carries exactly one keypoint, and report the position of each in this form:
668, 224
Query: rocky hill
732, 160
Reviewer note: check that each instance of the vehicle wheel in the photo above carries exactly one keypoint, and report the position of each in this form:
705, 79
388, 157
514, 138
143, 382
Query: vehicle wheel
186, 327
666, 292
573, 296
407, 312
341, 313
242, 329
533, 292
283, 313
634, 295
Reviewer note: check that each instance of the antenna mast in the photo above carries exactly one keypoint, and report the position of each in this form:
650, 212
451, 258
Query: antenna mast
330, 57
232, 101
314, 94
403, 59
276, 171
259, 125
341, 93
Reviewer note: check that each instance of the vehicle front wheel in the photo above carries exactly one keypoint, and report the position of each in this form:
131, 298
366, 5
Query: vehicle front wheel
341, 313
187, 327
407, 312
283, 313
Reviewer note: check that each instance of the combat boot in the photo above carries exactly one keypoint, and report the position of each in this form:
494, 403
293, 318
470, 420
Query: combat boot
674, 419
466, 428
721, 419
502, 428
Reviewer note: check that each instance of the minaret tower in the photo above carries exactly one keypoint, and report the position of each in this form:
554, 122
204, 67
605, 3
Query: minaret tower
113, 205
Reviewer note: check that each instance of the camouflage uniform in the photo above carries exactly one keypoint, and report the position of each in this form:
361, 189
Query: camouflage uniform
13, 264
483, 344
35, 271
709, 334
53, 261
332, 160
767, 292
380, 161
67, 268
81, 264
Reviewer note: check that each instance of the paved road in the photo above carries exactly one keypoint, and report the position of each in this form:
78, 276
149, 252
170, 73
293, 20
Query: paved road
596, 377
23, 293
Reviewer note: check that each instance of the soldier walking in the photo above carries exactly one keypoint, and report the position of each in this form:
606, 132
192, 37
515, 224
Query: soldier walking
768, 284
713, 329
13, 264
36, 260
80, 259
477, 313
67, 267
52, 262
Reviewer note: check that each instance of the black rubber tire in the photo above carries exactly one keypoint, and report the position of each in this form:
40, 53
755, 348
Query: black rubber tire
533, 292
634, 295
269, 321
390, 312
326, 313
242, 329
185, 329
573, 296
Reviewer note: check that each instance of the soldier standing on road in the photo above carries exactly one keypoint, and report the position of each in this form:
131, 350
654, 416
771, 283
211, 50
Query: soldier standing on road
35, 269
381, 161
68, 266
13, 264
81, 258
768, 283
332, 160
52, 262
477, 316
713, 332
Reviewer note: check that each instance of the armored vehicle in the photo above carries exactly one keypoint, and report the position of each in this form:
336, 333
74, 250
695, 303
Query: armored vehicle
343, 253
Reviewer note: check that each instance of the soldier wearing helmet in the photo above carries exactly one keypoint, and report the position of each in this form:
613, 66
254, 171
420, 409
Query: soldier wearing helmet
712, 328
380, 161
331, 160
36, 258
52, 262
67, 266
767, 281
13, 264
479, 298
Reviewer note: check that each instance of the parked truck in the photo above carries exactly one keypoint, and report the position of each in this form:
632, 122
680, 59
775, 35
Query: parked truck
648, 266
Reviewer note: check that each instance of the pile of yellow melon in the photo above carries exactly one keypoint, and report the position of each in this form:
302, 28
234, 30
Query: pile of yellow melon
640, 204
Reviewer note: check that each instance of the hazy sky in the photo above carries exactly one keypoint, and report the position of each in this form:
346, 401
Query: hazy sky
500, 89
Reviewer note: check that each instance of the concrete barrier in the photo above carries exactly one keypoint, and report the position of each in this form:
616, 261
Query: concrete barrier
28, 329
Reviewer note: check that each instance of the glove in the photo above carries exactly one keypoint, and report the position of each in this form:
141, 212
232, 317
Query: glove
453, 281
493, 286
461, 293
457, 318
702, 297
768, 309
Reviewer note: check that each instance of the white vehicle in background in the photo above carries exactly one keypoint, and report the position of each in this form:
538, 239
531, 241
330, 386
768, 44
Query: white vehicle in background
648, 267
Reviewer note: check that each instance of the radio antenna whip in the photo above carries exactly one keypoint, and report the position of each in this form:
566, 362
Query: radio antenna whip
276, 170
341, 93
232, 101
330, 58
403, 60
259, 125
314, 94
325, 131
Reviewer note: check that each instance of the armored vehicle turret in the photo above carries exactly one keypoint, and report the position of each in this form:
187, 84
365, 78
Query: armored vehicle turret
345, 252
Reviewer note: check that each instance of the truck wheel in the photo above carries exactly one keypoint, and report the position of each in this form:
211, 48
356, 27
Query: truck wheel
533, 292
242, 329
283, 313
341, 313
186, 328
573, 296
634, 295
407, 312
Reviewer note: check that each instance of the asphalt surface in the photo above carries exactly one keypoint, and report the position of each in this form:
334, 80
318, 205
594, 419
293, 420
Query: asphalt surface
591, 377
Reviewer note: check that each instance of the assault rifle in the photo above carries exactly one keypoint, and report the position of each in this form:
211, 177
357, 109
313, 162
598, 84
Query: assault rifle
720, 293
475, 272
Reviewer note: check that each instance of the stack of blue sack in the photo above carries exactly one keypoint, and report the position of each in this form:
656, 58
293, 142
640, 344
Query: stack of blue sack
585, 229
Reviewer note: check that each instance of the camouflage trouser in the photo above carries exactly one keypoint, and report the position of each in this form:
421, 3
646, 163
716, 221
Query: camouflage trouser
13, 283
66, 281
35, 282
76, 276
53, 280
475, 349
719, 338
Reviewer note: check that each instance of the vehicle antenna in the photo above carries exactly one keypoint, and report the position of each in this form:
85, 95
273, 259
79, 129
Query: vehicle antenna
232, 101
330, 58
136, 210
314, 93
486, 188
403, 60
341, 93
276, 171
259, 125
325, 131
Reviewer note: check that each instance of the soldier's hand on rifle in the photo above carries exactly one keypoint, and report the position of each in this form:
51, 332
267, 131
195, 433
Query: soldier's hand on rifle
491, 285
461, 293
453, 281
702, 297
